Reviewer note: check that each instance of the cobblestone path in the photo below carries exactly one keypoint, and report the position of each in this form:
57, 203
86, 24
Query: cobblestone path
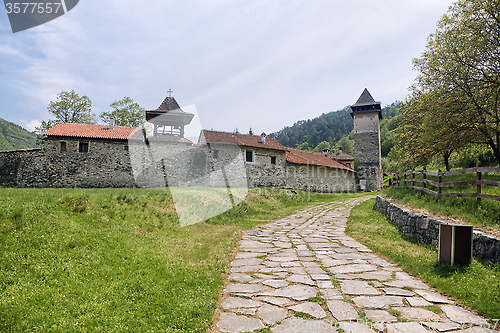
303, 274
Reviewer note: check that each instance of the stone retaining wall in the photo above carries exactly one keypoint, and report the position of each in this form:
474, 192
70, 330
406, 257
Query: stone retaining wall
426, 229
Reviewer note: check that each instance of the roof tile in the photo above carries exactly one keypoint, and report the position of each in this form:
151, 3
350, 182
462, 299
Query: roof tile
92, 131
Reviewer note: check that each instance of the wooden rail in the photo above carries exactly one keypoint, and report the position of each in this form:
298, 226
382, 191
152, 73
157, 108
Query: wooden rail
403, 178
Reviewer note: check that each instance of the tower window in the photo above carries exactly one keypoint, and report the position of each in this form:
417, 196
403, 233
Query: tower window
249, 156
126, 148
273, 159
83, 147
216, 153
63, 146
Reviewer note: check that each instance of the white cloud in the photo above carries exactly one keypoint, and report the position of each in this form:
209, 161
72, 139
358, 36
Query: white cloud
30, 126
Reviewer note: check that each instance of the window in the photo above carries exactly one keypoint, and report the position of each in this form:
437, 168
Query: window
249, 156
83, 147
273, 159
126, 148
63, 146
216, 153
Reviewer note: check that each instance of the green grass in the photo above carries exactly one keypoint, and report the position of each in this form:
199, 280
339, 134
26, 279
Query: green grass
476, 286
483, 213
100, 260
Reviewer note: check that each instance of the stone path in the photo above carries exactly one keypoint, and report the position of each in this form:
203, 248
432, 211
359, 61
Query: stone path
303, 274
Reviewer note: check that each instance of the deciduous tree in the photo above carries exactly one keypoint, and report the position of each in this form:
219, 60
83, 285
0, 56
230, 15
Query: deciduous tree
126, 113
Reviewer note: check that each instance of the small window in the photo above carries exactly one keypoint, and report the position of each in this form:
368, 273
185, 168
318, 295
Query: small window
126, 148
273, 159
216, 153
83, 147
249, 156
63, 146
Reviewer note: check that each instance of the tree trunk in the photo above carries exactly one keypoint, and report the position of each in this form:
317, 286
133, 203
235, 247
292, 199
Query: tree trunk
446, 157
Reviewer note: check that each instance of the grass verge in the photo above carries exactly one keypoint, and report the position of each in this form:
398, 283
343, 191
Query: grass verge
480, 213
476, 286
100, 260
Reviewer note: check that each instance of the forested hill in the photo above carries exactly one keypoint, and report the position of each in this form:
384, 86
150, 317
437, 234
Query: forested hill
330, 127
13, 136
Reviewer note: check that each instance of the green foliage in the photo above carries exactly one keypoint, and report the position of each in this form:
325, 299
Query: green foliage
126, 113
13, 136
476, 285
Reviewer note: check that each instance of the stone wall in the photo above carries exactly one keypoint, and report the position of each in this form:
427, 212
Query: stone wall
261, 172
320, 179
426, 229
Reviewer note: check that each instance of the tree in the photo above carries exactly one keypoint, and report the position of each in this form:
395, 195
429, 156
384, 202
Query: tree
69, 107
126, 113
460, 70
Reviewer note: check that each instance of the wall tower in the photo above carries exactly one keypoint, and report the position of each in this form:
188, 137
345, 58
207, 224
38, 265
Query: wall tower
367, 114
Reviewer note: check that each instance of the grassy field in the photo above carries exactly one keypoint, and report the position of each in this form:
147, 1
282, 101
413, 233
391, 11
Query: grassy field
101, 260
476, 286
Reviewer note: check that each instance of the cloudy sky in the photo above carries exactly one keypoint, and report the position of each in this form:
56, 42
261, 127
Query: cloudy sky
260, 64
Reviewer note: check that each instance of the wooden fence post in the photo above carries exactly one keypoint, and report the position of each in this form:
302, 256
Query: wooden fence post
425, 177
439, 183
413, 177
405, 180
478, 177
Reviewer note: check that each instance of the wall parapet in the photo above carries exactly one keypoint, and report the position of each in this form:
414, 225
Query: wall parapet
426, 229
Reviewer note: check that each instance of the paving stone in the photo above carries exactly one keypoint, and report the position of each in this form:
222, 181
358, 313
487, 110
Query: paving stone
417, 301
270, 314
358, 288
375, 275
398, 292
296, 292
378, 302
320, 277
245, 288
272, 270
245, 311
325, 284
282, 258
345, 250
331, 294
285, 245
477, 330
246, 262
408, 327
314, 270
380, 316
380, 262
304, 279
247, 269
314, 309
377, 284
355, 327
460, 315
344, 277
442, 327
246, 255
407, 283
299, 325
297, 270
250, 244
279, 301
291, 264
416, 314
240, 277
403, 276
230, 322
433, 297
237, 302
334, 262
281, 274
342, 310
355, 268
275, 283
270, 263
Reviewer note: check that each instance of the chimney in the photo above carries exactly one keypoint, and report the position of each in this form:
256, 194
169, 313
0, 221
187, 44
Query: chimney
263, 138
326, 151
340, 151
111, 122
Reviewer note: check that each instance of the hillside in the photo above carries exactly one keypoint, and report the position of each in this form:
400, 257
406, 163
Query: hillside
329, 127
13, 136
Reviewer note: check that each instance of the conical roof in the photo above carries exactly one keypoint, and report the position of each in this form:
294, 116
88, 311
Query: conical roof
365, 99
365, 104
168, 104
169, 113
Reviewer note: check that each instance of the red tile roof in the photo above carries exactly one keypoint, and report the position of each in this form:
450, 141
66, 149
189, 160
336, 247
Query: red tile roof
246, 140
304, 157
92, 131
343, 157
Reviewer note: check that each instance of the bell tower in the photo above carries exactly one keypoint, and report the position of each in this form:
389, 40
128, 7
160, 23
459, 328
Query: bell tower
367, 114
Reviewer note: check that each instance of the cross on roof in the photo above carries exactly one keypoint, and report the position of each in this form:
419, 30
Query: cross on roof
170, 91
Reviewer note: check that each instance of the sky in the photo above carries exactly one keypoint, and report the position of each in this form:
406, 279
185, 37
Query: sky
259, 64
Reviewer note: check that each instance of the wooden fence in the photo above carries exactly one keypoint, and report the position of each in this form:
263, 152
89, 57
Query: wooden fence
403, 178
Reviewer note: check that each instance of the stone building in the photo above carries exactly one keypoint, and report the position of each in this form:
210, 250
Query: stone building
268, 163
367, 114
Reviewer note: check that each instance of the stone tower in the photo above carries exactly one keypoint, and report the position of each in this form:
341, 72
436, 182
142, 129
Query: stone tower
367, 114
